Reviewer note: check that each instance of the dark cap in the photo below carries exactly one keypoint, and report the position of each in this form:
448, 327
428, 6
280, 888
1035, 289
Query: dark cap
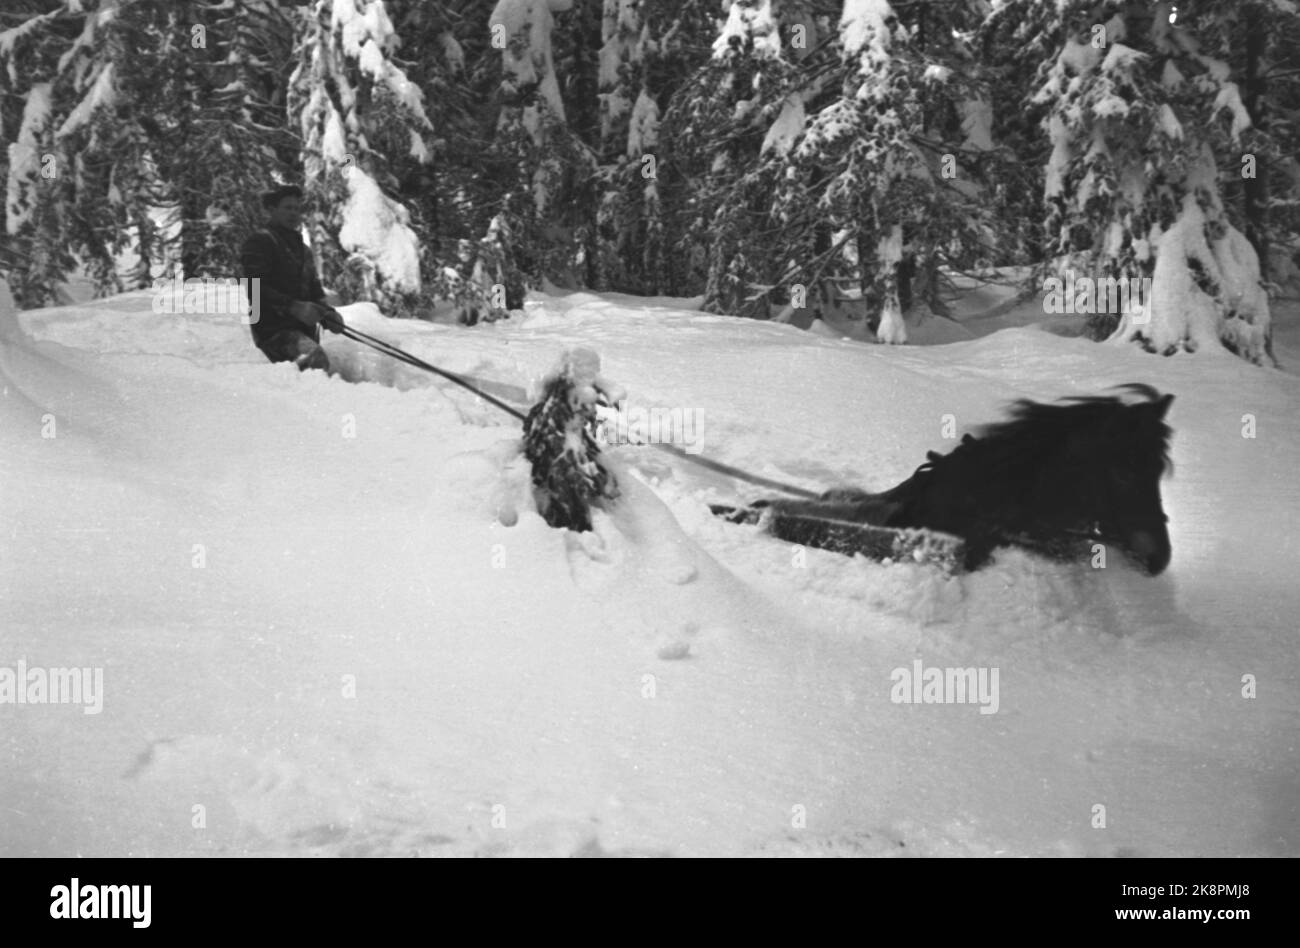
278, 193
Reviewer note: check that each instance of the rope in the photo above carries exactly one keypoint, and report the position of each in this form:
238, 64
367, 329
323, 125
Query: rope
409, 359
735, 472
718, 466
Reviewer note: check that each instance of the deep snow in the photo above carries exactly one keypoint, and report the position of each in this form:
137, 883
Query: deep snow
671, 684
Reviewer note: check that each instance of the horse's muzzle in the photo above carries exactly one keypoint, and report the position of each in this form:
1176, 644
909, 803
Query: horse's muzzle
1150, 549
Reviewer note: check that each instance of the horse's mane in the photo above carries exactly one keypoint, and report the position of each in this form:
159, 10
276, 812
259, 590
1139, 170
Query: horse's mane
1033, 429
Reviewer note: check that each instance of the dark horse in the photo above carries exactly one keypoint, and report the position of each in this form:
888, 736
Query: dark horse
1056, 479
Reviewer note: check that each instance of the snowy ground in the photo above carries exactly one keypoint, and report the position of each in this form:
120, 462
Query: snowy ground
316, 643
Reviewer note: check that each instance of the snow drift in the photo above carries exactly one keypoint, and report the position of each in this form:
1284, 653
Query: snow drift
317, 636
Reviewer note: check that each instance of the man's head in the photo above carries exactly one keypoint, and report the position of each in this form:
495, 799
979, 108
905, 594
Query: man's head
284, 204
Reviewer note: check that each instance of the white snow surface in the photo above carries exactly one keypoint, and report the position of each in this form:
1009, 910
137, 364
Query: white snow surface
333, 646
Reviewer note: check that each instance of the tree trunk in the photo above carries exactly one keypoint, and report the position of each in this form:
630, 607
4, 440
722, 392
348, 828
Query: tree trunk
906, 273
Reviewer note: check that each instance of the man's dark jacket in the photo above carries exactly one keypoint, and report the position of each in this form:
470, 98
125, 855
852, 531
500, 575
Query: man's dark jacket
277, 257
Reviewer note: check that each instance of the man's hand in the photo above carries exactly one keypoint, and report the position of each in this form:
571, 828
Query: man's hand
331, 318
312, 313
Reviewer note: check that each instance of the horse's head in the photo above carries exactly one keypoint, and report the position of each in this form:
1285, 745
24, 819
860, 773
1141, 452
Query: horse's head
1121, 456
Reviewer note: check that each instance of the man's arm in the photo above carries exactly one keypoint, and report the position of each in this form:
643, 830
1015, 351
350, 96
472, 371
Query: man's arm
329, 317
315, 292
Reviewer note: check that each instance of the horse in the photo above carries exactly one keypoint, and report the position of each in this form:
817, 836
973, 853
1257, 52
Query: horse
1056, 479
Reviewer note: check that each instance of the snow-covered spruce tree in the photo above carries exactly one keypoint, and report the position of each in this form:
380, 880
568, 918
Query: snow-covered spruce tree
1014, 37
483, 282
1278, 98
649, 49
231, 118
25, 140
33, 254
851, 152
130, 108
561, 248
621, 53
900, 150
364, 127
547, 195
560, 442
715, 183
1260, 42
218, 75
621, 85
67, 197
455, 198
1138, 114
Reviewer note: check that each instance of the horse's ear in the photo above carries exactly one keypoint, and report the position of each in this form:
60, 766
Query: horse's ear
1162, 406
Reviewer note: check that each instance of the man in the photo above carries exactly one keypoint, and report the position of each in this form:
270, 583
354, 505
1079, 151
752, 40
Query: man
291, 307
